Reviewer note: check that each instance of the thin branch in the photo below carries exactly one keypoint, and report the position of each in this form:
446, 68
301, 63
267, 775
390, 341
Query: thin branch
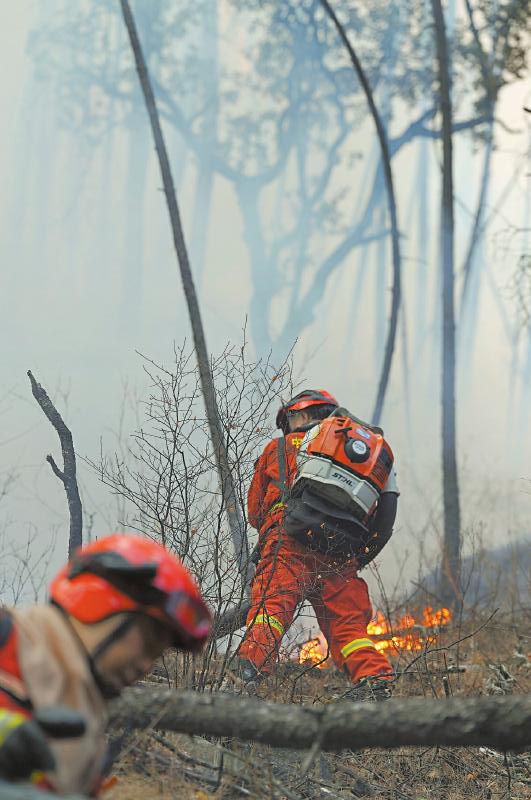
55, 469
231, 620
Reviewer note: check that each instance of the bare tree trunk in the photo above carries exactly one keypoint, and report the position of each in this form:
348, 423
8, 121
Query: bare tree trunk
474, 264
138, 152
503, 722
263, 269
451, 562
477, 227
388, 175
68, 475
230, 499
491, 97
209, 133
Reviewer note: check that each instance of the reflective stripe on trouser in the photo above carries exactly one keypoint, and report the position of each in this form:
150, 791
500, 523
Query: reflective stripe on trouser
273, 622
356, 644
276, 592
288, 573
262, 640
343, 610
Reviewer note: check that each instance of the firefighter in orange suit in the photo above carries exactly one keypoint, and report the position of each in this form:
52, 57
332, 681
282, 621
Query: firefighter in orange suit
289, 571
113, 609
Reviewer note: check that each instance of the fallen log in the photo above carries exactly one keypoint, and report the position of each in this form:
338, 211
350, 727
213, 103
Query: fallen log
500, 722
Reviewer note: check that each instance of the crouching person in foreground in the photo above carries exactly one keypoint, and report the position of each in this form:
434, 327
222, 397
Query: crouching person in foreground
113, 610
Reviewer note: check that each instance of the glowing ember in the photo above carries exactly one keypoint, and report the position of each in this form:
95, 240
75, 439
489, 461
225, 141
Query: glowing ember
315, 652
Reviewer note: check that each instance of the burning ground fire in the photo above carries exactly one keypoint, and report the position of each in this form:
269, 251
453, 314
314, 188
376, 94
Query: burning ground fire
406, 634
315, 651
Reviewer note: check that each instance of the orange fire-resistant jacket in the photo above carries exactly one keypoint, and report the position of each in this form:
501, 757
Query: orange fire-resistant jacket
264, 498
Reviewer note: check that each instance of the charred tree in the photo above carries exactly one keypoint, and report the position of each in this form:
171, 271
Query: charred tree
230, 498
451, 558
68, 474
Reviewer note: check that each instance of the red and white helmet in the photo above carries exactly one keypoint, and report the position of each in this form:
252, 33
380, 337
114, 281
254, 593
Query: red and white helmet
302, 401
125, 572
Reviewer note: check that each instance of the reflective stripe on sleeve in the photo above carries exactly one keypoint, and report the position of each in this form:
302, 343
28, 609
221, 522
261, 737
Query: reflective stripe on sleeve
356, 644
272, 622
9, 720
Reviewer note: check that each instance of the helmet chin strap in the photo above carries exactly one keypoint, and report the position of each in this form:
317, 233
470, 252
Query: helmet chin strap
107, 689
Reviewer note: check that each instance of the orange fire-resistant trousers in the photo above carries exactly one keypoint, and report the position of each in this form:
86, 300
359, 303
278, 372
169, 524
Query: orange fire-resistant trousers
289, 573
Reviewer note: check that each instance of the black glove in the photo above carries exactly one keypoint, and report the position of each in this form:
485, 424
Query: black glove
254, 558
23, 744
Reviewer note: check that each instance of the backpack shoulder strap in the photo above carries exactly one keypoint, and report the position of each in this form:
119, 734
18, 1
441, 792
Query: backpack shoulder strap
282, 482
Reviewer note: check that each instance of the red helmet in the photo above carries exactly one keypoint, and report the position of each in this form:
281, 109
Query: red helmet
125, 572
301, 401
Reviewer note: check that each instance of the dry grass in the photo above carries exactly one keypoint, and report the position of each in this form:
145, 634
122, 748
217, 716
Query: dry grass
496, 660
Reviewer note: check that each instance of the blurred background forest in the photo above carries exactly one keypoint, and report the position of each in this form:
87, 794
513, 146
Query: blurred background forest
280, 183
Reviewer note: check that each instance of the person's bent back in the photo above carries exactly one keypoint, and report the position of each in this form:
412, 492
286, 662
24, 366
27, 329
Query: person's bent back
114, 608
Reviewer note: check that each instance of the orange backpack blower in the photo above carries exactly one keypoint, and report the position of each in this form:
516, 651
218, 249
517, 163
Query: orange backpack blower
342, 467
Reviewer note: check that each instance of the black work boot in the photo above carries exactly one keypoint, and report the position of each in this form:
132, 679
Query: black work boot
250, 675
367, 689
243, 677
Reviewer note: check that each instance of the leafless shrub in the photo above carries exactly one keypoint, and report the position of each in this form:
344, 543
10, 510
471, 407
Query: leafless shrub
166, 472
24, 562
24, 567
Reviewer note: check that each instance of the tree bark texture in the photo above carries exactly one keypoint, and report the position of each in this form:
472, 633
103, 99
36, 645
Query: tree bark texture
68, 474
451, 562
391, 199
501, 722
230, 498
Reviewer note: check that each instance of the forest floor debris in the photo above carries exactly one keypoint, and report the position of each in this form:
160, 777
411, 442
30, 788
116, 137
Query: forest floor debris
496, 659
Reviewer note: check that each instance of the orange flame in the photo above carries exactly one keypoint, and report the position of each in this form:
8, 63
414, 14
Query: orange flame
378, 625
315, 651
432, 618
406, 633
